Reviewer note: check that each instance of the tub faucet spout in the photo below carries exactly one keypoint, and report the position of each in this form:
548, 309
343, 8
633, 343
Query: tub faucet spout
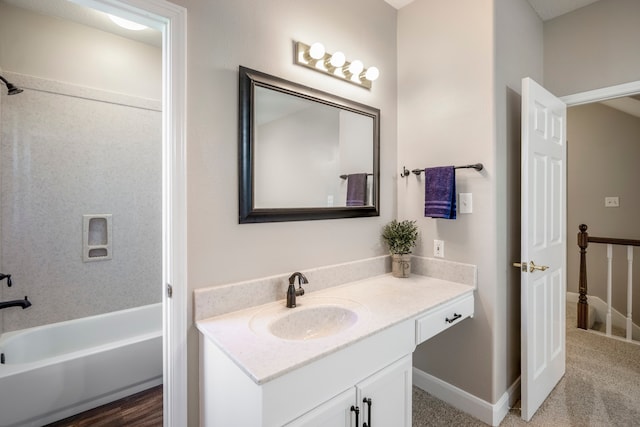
24, 303
292, 292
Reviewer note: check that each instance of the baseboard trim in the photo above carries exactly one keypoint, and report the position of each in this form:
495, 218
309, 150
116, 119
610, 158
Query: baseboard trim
486, 412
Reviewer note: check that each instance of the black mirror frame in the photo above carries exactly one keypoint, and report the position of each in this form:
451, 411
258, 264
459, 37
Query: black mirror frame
248, 80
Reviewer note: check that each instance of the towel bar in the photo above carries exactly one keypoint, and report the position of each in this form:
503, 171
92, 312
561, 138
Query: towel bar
345, 176
476, 166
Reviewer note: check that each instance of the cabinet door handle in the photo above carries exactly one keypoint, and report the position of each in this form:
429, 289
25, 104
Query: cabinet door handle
455, 317
357, 411
367, 401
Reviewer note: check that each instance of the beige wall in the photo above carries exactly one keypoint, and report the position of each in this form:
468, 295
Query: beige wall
460, 66
604, 148
595, 46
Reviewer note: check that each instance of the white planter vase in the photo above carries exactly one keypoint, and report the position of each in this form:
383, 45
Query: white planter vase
401, 265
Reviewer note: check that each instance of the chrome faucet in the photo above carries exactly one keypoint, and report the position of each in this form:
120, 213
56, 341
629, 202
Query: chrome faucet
292, 292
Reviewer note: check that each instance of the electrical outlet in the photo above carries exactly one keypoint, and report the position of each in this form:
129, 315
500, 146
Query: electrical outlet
438, 248
612, 202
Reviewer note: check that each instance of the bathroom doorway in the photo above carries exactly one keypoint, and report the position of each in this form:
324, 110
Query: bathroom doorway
82, 159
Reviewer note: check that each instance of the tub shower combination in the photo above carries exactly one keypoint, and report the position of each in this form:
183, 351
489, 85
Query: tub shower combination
54, 371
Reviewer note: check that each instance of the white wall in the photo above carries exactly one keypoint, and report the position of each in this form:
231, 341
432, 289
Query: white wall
593, 47
460, 67
259, 34
68, 150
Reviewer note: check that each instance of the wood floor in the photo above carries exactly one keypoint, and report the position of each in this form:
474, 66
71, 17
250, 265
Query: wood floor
143, 409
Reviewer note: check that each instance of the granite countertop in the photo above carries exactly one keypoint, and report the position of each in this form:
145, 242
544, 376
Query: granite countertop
380, 302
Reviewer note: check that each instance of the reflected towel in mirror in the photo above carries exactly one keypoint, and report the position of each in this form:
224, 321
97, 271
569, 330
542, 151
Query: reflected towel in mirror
440, 192
357, 189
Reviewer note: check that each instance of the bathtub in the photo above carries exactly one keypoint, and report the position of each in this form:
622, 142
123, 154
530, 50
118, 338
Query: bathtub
54, 371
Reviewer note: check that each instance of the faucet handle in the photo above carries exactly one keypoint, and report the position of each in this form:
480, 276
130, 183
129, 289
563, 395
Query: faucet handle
6, 276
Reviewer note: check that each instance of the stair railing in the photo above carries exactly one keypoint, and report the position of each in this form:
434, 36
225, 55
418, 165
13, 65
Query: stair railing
583, 307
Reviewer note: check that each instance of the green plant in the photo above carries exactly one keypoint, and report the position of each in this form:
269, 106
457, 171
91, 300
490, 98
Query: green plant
400, 236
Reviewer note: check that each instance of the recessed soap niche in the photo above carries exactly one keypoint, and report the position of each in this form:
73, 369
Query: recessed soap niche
96, 237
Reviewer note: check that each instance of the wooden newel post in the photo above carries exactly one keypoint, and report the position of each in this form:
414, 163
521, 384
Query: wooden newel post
583, 306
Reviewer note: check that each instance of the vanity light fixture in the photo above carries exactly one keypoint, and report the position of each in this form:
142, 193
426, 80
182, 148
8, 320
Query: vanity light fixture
317, 58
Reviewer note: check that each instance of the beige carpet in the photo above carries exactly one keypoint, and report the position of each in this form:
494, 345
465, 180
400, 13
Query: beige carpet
601, 387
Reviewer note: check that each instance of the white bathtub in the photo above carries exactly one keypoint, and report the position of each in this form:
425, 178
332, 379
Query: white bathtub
54, 371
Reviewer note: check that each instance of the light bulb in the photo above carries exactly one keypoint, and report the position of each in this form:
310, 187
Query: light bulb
356, 67
338, 59
316, 51
372, 74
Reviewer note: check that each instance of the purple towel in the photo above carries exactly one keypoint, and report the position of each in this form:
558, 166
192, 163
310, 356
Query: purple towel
357, 189
440, 192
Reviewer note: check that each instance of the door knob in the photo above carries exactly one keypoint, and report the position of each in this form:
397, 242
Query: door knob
531, 266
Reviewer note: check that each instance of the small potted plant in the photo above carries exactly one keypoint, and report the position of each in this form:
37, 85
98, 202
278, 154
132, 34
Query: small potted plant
400, 237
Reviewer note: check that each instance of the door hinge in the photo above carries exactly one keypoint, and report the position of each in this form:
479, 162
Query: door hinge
169, 291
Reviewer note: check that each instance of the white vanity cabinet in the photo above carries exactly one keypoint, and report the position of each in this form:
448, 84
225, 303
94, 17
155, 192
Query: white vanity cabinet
376, 367
383, 399
251, 378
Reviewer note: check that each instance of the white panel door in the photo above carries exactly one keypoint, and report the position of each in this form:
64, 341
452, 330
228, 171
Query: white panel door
543, 246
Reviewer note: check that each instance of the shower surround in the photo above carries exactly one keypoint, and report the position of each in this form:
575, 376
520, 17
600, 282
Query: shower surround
68, 151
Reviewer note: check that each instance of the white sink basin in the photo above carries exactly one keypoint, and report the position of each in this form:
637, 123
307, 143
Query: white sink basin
314, 318
313, 322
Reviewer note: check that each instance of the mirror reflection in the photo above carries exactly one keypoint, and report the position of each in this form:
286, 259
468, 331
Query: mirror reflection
304, 148
304, 154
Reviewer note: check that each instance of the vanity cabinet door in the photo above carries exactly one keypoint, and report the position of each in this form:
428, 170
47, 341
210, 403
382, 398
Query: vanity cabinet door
333, 413
390, 396
388, 390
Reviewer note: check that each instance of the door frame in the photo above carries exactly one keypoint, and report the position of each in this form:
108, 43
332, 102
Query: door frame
171, 20
602, 94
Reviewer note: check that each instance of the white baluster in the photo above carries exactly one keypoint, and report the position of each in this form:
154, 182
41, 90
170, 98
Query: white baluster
629, 292
609, 261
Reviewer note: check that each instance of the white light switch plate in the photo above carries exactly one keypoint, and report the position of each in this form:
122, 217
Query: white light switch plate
466, 203
438, 248
612, 202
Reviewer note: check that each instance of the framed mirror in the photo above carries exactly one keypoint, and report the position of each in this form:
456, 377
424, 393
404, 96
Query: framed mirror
304, 154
